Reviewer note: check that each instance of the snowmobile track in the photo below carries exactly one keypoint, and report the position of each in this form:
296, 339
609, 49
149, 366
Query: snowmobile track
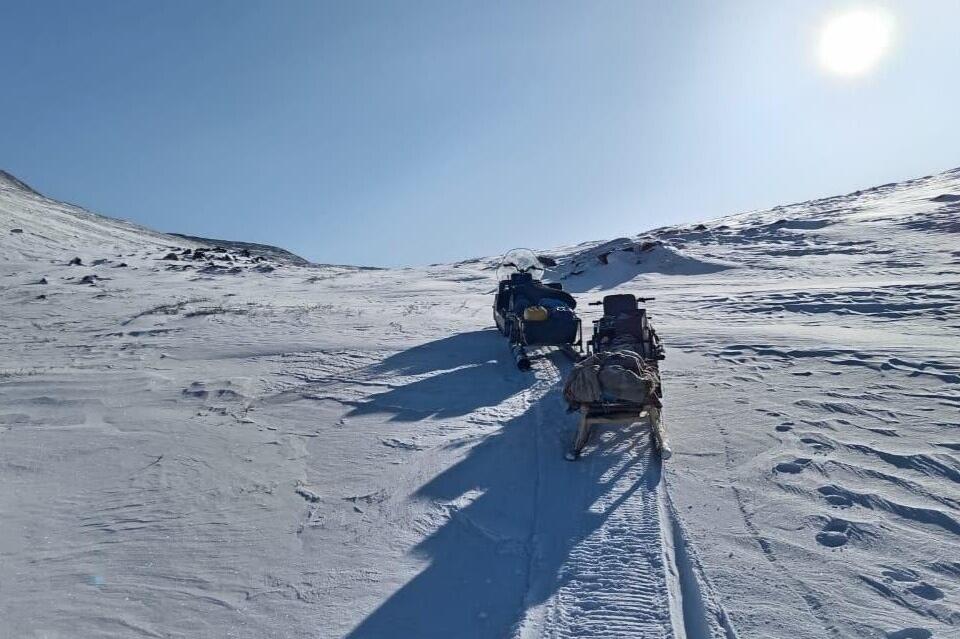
614, 582
627, 571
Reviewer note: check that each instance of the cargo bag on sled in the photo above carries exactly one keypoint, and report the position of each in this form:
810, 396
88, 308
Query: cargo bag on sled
615, 376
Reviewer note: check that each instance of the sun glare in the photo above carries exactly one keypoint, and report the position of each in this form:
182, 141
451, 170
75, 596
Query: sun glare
853, 42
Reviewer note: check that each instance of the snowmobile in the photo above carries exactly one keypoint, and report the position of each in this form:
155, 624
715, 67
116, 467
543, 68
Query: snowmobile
619, 380
531, 313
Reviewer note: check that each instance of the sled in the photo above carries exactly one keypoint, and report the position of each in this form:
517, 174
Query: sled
625, 326
621, 413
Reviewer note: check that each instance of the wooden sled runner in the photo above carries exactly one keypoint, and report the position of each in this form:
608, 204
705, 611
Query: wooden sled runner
609, 413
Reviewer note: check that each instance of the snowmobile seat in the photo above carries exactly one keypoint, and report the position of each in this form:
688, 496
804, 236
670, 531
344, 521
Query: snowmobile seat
533, 292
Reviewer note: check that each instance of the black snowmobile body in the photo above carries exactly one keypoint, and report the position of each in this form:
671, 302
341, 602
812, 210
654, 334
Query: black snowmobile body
530, 313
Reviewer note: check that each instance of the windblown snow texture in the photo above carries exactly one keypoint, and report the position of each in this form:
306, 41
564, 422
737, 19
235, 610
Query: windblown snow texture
201, 439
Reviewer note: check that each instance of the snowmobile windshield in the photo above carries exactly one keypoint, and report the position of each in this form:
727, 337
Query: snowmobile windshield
520, 261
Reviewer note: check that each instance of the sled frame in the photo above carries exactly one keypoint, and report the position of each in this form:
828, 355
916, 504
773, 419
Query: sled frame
591, 414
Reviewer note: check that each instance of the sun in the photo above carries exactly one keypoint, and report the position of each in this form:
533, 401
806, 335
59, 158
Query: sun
854, 41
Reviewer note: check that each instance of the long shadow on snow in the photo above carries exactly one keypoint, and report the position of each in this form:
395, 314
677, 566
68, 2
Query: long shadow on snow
472, 370
462, 349
506, 518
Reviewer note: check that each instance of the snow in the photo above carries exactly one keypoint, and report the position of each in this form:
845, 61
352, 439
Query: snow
204, 447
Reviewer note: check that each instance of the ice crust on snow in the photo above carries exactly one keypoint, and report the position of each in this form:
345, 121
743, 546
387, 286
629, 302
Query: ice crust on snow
241, 445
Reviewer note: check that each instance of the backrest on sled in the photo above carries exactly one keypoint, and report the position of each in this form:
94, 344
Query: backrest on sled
622, 318
622, 315
622, 304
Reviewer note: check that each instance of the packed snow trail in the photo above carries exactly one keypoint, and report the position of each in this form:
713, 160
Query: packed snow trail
611, 580
597, 567
608, 558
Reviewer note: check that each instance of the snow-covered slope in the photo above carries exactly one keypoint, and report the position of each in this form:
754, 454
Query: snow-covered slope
220, 445
37, 227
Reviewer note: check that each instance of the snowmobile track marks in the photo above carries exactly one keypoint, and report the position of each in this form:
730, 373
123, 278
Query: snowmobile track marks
613, 583
627, 571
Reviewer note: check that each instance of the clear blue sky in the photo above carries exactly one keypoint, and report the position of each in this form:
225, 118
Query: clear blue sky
392, 133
